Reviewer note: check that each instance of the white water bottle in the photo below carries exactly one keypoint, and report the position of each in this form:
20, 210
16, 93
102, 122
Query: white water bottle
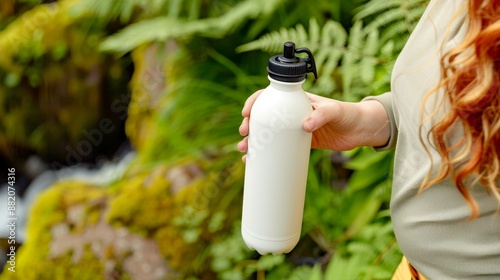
278, 156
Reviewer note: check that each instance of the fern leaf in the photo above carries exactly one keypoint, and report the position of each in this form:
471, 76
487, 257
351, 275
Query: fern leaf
415, 13
341, 267
157, 29
351, 56
167, 27
314, 30
122, 9
326, 43
273, 42
408, 13
375, 7
386, 18
395, 29
371, 43
369, 61
355, 60
332, 34
402, 28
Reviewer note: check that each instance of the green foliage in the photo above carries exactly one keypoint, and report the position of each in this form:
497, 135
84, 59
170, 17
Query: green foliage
231, 258
375, 245
326, 43
168, 27
332, 34
50, 69
210, 56
357, 65
394, 18
119, 9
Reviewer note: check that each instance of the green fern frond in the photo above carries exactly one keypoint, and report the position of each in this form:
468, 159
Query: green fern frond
326, 43
387, 18
395, 29
332, 34
371, 43
125, 9
395, 19
372, 8
416, 12
359, 58
349, 66
395, 11
119, 9
273, 42
167, 27
370, 60
376, 7
156, 29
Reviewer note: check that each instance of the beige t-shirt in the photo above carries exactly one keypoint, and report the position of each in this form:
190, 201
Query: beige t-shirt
431, 227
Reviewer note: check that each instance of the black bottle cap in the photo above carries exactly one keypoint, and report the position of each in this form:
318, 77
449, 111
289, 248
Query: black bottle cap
290, 68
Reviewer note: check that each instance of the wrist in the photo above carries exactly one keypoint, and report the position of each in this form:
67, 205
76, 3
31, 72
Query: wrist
374, 126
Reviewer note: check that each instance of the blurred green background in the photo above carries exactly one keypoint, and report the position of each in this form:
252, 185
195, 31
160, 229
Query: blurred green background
121, 118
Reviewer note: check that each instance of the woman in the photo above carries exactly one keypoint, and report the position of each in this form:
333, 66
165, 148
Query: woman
446, 198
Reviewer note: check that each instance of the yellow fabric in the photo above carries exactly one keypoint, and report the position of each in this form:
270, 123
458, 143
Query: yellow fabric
404, 272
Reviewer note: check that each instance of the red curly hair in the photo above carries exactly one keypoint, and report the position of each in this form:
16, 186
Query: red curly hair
470, 80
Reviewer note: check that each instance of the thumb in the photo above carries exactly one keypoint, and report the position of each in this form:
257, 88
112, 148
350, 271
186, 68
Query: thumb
320, 116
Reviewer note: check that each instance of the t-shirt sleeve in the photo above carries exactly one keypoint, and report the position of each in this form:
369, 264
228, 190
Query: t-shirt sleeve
386, 101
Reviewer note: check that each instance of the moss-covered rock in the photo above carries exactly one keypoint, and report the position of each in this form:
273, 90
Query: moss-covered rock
69, 237
157, 223
54, 215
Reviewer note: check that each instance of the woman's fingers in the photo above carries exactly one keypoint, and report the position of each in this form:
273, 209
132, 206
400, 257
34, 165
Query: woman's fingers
243, 145
244, 127
245, 112
322, 114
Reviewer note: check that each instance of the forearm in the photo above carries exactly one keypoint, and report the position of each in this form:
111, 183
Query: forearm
373, 126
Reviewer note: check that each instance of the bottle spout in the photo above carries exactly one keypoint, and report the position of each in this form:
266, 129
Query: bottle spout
289, 50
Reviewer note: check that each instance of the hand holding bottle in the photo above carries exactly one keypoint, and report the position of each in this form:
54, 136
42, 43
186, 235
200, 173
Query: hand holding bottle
335, 125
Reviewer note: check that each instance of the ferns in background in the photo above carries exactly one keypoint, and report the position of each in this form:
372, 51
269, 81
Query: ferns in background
176, 20
357, 58
395, 18
326, 43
